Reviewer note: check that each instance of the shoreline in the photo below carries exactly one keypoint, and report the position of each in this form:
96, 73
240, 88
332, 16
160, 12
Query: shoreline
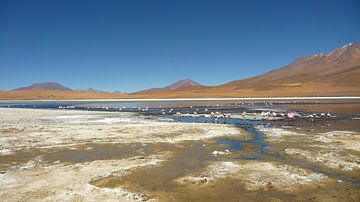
189, 99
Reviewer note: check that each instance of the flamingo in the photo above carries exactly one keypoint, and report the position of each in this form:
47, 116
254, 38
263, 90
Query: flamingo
291, 115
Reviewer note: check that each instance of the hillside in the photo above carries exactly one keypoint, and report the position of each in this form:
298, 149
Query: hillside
340, 67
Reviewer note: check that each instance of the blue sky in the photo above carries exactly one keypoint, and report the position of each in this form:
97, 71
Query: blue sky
137, 44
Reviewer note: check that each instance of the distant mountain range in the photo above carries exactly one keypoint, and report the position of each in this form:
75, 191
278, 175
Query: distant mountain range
336, 73
58, 87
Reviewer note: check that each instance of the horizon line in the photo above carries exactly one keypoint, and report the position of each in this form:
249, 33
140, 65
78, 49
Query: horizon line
193, 99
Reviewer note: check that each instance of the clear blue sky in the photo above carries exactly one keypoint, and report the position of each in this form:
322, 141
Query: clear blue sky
136, 44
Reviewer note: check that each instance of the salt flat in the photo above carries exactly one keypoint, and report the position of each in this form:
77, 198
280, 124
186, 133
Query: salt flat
79, 155
36, 129
39, 128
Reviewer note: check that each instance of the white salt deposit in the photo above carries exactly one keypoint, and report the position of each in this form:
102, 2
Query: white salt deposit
257, 175
277, 133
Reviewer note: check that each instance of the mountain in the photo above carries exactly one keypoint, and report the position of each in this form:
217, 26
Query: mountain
44, 86
181, 84
339, 67
92, 90
335, 73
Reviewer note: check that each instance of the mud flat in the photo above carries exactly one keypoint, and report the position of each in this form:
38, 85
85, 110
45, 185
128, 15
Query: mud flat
71, 155
258, 176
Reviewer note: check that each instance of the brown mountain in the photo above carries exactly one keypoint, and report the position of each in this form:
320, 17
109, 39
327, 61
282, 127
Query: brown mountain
336, 73
52, 90
181, 84
44, 86
338, 67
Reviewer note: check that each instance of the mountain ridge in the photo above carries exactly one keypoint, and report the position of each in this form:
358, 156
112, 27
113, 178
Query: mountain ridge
311, 68
180, 84
44, 86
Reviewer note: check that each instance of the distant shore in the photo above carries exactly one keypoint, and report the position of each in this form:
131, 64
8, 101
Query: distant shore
190, 99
